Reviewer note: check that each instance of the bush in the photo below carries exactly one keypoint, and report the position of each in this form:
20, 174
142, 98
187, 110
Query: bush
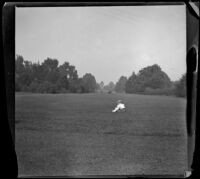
48, 87
180, 87
45, 87
158, 91
33, 87
63, 90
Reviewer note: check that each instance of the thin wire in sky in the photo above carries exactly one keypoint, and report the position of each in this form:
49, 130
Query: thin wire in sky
120, 16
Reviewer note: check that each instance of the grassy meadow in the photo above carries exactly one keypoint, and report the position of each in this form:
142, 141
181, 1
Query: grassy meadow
77, 134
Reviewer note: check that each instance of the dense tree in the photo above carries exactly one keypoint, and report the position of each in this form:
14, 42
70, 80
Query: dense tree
180, 86
101, 84
63, 83
77, 86
19, 64
23, 73
132, 84
68, 71
50, 70
89, 83
67, 75
50, 77
37, 72
98, 87
151, 77
45, 77
110, 87
121, 84
48, 87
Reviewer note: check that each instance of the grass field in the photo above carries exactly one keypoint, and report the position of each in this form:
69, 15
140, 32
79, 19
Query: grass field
77, 134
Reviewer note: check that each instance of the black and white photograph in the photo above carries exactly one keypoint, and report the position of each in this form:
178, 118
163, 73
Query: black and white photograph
100, 90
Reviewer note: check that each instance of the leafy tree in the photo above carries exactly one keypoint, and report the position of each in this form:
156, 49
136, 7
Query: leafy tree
45, 77
68, 71
22, 73
101, 84
121, 84
50, 64
77, 86
110, 87
180, 87
19, 70
67, 75
48, 77
49, 70
98, 87
89, 83
34, 87
37, 72
47, 87
131, 84
63, 82
151, 77
19, 64
154, 77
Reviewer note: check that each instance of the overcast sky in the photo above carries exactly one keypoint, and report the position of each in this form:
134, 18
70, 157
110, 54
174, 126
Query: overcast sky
106, 41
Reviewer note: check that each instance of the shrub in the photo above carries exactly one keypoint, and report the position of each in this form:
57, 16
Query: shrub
158, 91
33, 87
47, 87
180, 87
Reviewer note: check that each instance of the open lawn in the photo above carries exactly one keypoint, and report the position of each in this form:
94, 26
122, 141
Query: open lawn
77, 134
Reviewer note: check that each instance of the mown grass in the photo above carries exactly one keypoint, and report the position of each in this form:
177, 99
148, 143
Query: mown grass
77, 134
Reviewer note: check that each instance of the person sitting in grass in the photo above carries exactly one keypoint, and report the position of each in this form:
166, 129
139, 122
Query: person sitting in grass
120, 106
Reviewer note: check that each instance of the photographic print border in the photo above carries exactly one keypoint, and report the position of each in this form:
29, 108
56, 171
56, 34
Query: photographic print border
192, 29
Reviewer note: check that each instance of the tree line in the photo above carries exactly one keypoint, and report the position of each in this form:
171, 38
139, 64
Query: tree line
151, 80
50, 77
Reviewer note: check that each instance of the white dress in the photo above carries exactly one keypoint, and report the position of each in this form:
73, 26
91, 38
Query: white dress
120, 106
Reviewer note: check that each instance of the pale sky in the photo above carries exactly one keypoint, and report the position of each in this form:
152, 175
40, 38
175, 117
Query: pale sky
108, 41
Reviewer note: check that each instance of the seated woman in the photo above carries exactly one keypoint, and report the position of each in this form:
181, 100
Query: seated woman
120, 106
